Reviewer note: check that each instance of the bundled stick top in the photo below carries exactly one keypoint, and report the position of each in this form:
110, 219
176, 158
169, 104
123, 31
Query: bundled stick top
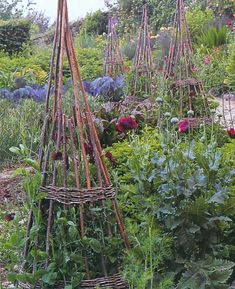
179, 67
113, 62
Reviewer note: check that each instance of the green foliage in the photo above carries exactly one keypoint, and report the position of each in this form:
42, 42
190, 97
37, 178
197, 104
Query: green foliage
146, 259
34, 68
211, 73
91, 63
213, 37
19, 126
96, 22
230, 69
10, 8
160, 13
13, 35
86, 40
129, 49
197, 20
189, 187
206, 274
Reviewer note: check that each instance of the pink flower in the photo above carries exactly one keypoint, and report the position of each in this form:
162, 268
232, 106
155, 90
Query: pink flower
230, 23
126, 123
231, 132
183, 126
207, 60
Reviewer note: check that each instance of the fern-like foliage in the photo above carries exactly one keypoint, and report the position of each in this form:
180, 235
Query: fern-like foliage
206, 274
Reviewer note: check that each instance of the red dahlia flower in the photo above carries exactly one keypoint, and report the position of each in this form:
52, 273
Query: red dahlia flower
231, 132
183, 126
126, 123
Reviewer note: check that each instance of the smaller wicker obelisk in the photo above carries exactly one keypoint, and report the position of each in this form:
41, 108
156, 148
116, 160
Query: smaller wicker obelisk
113, 62
143, 61
179, 70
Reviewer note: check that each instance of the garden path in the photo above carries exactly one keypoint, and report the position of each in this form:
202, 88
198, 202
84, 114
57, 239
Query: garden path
227, 108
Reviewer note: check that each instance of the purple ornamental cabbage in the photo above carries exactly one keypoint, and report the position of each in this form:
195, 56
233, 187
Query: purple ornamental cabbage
111, 89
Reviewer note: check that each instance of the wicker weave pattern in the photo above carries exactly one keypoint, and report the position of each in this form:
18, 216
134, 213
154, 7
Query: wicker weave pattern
78, 196
113, 282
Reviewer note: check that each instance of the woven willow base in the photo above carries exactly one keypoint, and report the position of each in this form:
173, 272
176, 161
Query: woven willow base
112, 282
78, 196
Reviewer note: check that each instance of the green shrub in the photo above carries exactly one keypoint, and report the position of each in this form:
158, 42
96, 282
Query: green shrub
19, 125
197, 21
189, 188
230, 69
91, 62
211, 73
96, 22
34, 68
13, 35
213, 37
86, 40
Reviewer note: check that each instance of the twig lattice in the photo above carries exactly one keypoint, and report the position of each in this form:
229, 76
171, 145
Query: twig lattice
179, 69
143, 60
72, 162
113, 62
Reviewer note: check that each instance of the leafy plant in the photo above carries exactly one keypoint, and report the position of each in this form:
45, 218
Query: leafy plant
198, 20
213, 37
108, 88
206, 274
230, 69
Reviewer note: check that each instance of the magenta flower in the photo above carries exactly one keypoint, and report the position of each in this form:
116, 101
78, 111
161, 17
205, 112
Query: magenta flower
126, 123
231, 132
183, 126
230, 23
207, 60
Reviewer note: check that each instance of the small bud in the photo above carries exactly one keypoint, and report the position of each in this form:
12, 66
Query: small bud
174, 120
190, 113
159, 100
167, 114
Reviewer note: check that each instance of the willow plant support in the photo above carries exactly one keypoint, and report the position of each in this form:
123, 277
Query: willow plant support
65, 139
179, 69
113, 62
143, 61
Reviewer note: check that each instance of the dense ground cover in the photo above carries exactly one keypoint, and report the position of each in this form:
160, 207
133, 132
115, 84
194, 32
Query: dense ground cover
176, 185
